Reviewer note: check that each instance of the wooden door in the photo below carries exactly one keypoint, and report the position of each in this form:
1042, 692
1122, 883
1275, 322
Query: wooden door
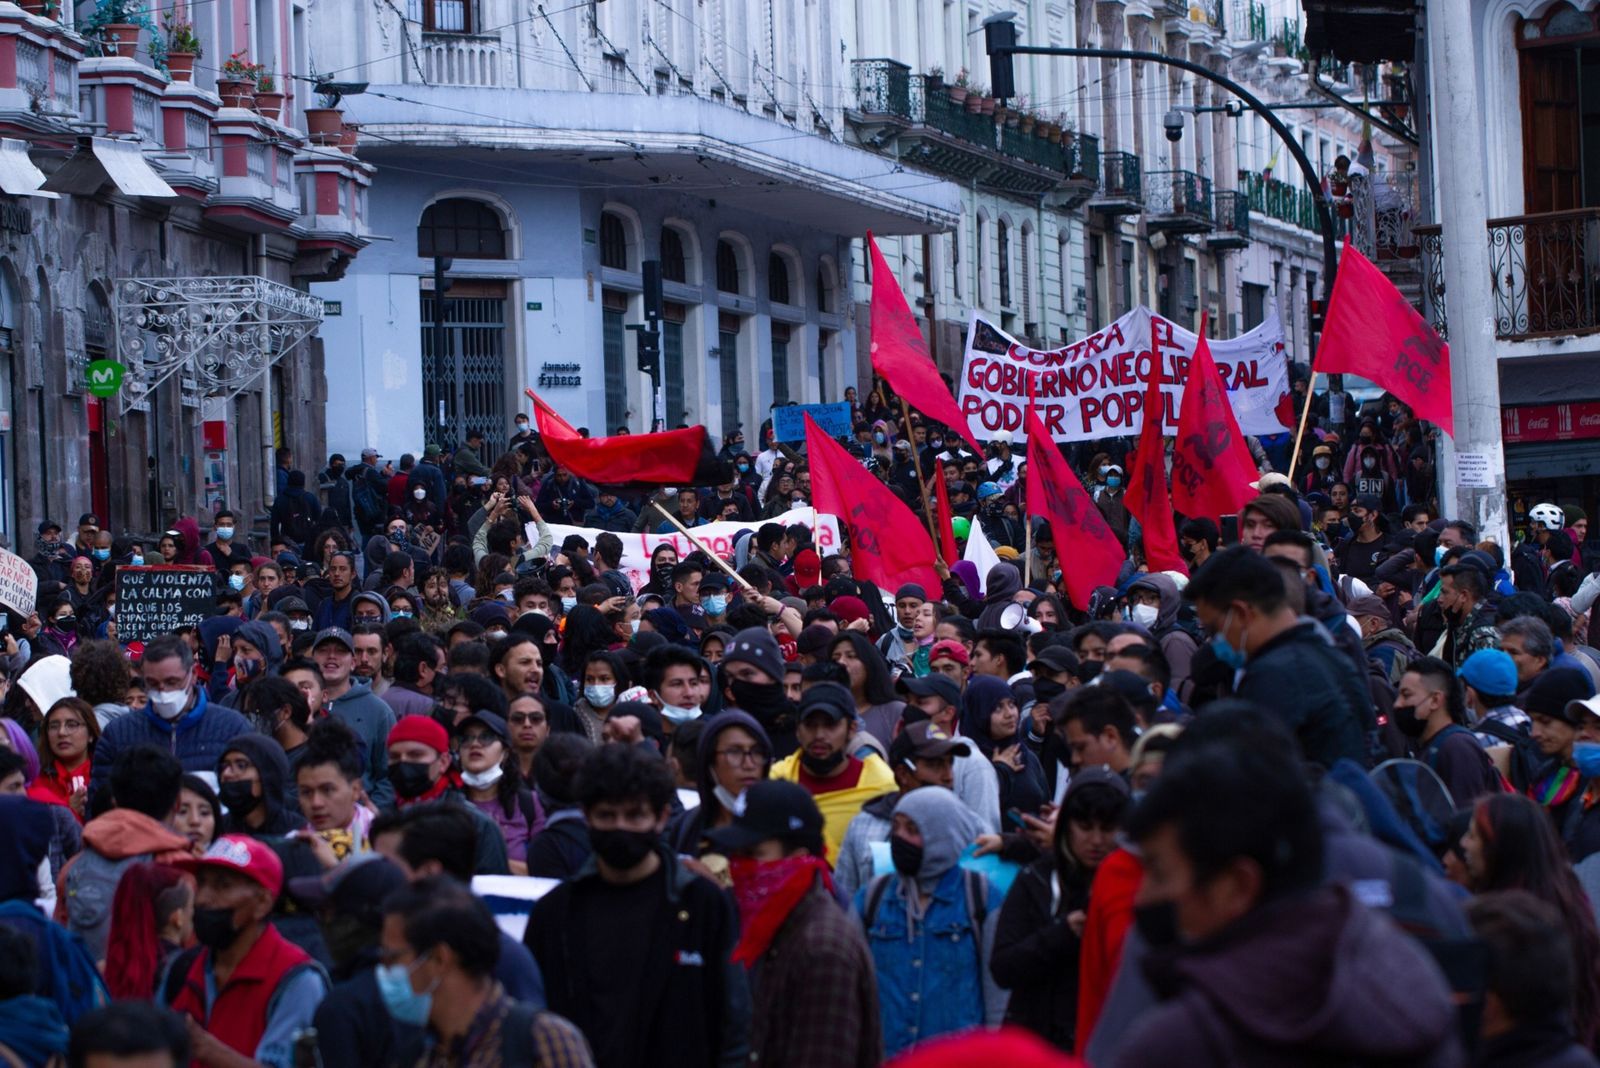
1551, 138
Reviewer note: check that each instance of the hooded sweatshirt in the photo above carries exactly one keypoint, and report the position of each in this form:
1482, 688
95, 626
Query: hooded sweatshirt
119, 835
1177, 645
1023, 789
1001, 584
277, 789
189, 551
692, 829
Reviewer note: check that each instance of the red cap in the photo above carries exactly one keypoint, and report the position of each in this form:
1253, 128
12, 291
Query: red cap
849, 608
807, 568
244, 855
950, 649
424, 729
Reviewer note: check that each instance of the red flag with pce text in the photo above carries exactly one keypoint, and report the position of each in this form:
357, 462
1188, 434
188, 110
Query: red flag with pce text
889, 546
1147, 498
1211, 465
900, 354
1373, 331
1088, 549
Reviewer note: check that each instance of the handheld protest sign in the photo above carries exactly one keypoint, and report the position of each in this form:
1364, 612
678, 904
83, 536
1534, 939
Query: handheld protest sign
159, 598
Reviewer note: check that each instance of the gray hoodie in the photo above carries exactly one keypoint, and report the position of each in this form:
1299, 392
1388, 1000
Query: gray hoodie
1177, 645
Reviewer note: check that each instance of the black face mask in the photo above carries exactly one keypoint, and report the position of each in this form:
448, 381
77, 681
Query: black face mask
1157, 924
756, 697
1408, 722
822, 766
906, 857
1047, 690
238, 798
621, 849
410, 780
215, 929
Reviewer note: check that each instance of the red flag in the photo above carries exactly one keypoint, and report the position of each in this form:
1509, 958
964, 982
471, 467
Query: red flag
889, 546
682, 457
1147, 498
900, 354
1211, 465
1089, 551
1373, 331
947, 534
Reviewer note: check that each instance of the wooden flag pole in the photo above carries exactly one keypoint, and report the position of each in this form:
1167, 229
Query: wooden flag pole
698, 544
922, 489
1305, 412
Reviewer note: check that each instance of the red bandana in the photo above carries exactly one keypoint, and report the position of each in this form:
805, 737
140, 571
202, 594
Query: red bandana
767, 891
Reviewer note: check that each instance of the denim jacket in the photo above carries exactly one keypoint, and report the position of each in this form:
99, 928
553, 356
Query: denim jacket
933, 974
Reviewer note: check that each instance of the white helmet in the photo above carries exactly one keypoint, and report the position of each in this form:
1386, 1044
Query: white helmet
1547, 516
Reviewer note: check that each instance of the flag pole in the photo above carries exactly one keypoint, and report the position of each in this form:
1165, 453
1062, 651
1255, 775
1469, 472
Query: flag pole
698, 544
1305, 412
922, 489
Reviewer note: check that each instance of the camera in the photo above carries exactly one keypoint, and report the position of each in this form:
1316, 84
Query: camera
1172, 122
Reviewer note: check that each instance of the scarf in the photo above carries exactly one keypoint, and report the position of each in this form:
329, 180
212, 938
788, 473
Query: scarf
1557, 787
767, 891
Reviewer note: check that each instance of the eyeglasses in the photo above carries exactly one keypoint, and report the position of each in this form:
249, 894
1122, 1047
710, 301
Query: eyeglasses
479, 738
65, 726
525, 721
741, 756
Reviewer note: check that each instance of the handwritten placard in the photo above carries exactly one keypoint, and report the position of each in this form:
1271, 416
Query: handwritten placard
19, 585
789, 422
157, 600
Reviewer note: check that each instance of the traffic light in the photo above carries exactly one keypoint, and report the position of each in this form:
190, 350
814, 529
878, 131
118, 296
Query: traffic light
651, 272
1316, 316
441, 284
1000, 35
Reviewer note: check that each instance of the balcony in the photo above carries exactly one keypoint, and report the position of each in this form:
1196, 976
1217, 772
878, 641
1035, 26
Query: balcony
1232, 222
1177, 202
1288, 204
1121, 189
944, 129
1546, 274
1083, 170
469, 59
333, 224
1430, 239
39, 61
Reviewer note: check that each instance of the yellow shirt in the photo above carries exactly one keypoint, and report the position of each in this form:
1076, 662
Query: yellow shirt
840, 806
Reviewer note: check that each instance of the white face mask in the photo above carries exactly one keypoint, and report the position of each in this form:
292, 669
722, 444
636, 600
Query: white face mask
299, 624
1144, 614
169, 704
600, 696
1323, 463
479, 779
419, 493
729, 800
674, 714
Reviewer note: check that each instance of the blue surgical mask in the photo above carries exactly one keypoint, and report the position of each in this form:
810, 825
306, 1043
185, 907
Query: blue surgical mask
236, 582
1586, 757
135, 560
600, 696
224, 533
100, 554
568, 604
1438, 555
1113, 481
715, 605
879, 438
1223, 650
405, 1005
399, 615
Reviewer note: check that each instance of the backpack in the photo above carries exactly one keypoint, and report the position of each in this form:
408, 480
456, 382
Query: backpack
91, 885
1420, 798
1526, 760
75, 983
368, 505
977, 891
299, 521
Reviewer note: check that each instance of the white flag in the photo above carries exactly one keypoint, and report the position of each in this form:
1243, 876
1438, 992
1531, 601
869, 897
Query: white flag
981, 553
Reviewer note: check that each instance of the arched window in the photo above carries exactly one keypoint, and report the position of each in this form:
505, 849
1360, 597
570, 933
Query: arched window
777, 279
1027, 276
727, 267
674, 264
983, 261
1002, 234
613, 241
824, 287
458, 226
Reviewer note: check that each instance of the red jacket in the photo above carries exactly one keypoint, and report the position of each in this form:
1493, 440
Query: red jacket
1110, 915
239, 1015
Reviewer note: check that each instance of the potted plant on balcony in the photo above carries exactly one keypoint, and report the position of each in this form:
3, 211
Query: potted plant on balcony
114, 27
183, 48
269, 98
46, 8
237, 83
935, 78
986, 103
958, 92
349, 136
325, 125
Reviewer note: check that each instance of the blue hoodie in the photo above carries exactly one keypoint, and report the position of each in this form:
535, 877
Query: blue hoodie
197, 738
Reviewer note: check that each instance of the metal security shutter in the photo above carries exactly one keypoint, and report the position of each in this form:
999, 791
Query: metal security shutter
463, 386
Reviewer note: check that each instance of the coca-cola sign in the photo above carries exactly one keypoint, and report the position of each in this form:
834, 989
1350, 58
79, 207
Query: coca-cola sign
1550, 422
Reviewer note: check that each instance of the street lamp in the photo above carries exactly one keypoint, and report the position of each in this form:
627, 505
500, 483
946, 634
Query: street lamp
1000, 39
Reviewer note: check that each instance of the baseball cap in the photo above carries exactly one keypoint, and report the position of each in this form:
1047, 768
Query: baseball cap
814, 640
712, 582
49, 524
1056, 658
1490, 671
1370, 604
617, 583
88, 519
430, 451
365, 879
426, 730
291, 605
1576, 710
925, 740
1129, 685
773, 808
1100, 776
1368, 502
242, 855
493, 720
931, 685
829, 697
334, 634
950, 649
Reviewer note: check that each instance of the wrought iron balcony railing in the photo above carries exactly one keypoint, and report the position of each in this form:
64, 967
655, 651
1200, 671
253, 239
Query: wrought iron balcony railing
1121, 184
1546, 274
883, 87
1180, 196
1232, 220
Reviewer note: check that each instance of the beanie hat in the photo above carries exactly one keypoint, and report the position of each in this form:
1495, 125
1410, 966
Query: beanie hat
757, 647
1554, 689
425, 729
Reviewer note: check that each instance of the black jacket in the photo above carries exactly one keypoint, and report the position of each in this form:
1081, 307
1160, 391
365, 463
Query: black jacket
560, 850
696, 1008
353, 1027
1329, 711
1036, 954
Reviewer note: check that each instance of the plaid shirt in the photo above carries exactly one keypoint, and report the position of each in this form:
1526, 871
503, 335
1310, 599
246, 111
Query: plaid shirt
556, 1043
815, 993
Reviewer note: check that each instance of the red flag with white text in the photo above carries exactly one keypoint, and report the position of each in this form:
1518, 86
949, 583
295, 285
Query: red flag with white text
1086, 546
1371, 330
1148, 499
889, 546
1211, 465
900, 354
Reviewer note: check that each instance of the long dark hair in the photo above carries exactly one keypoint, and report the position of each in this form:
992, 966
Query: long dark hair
1521, 852
586, 632
878, 687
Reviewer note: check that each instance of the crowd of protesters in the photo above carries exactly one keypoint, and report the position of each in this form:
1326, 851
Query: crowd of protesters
1325, 796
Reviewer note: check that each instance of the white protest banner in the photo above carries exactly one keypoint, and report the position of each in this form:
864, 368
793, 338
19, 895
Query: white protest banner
1094, 388
718, 537
19, 585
